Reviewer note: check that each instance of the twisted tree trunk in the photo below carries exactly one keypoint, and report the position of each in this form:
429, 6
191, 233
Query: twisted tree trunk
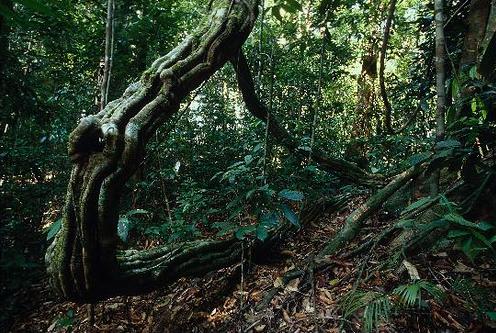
107, 148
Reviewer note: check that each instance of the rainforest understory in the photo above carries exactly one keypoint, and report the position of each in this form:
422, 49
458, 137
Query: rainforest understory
261, 176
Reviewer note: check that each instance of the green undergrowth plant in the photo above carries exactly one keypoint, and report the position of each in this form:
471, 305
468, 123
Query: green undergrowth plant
472, 238
476, 299
254, 206
376, 307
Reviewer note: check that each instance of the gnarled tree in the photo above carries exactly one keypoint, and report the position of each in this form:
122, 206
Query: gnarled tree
106, 149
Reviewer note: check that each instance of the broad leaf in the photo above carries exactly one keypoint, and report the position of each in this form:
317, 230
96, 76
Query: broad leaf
243, 231
262, 233
137, 212
123, 227
447, 144
291, 195
54, 229
290, 215
415, 205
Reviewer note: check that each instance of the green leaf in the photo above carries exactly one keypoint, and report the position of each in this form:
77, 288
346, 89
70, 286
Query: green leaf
250, 193
248, 159
473, 72
458, 219
262, 233
491, 315
270, 220
418, 158
290, 215
492, 239
134, 212
447, 144
37, 6
276, 12
485, 226
123, 227
424, 105
54, 229
455, 88
295, 5
458, 233
243, 231
12, 17
483, 239
415, 205
291, 195
407, 224
473, 105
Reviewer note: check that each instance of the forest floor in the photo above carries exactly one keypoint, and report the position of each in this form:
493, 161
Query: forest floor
225, 301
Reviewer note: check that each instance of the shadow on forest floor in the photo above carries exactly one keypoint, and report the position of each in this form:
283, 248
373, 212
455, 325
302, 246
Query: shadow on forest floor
224, 301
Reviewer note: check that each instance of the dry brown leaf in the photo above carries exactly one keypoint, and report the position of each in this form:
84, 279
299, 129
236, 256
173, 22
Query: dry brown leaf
259, 328
285, 316
412, 270
292, 285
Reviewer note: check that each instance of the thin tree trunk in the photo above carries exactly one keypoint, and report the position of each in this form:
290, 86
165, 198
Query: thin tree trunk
109, 52
440, 80
4, 61
382, 60
318, 101
4, 42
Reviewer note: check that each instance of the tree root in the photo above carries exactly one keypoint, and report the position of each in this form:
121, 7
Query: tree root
348, 232
359, 216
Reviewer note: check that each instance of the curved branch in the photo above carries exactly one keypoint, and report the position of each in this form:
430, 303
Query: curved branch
356, 219
342, 168
108, 147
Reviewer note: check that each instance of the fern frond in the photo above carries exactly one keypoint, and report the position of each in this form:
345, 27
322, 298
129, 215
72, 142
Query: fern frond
376, 307
411, 294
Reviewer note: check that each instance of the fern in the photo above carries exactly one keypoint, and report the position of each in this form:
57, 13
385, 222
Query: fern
477, 298
376, 307
411, 294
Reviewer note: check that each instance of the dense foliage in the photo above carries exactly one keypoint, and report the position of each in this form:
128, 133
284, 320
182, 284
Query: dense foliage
214, 170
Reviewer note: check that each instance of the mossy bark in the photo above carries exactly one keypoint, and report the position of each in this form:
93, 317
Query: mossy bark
107, 148
356, 219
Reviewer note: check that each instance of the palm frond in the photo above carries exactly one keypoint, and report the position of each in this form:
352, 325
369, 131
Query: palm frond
376, 307
411, 294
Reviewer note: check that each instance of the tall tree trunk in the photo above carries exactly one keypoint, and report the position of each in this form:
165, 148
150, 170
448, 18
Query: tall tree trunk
106, 150
318, 102
4, 60
382, 60
109, 54
476, 21
440, 80
487, 66
4, 42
